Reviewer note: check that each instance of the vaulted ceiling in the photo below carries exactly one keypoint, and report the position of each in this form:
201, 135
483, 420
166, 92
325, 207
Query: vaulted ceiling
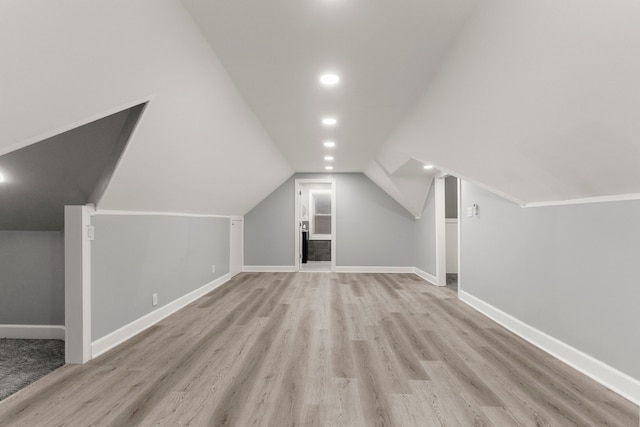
535, 100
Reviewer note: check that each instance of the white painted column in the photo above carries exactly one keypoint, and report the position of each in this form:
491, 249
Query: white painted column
441, 233
77, 283
237, 246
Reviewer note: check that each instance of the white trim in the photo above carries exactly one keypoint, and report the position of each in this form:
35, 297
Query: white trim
459, 189
297, 249
623, 384
297, 221
451, 220
599, 199
32, 332
441, 232
374, 269
151, 213
269, 269
232, 248
77, 284
126, 332
426, 276
63, 129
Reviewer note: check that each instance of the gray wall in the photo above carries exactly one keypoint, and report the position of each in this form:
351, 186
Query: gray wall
269, 229
372, 229
426, 235
451, 197
136, 256
569, 271
31, 277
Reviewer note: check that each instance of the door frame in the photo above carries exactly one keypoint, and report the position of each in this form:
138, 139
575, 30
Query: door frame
298, 224
441, 224
239, 222
441, 238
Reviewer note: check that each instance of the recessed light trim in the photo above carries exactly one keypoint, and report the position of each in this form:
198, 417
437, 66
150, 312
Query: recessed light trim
328, 158
427, 167
329, 144
329, 121
329, 79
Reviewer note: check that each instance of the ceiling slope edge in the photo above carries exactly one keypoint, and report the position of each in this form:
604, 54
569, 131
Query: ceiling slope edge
410, 192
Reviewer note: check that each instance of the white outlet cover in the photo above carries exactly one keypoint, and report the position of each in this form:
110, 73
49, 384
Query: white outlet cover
213, 269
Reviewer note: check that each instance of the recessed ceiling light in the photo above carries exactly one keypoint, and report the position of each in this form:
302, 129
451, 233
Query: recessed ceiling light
1, 177
329, 144
329, 121
328, 158
428, 166
329, 79
328, 168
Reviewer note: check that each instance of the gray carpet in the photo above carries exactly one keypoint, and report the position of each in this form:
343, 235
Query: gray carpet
24, 361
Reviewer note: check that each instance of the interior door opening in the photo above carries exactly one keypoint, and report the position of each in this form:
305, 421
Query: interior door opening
315, 225
451, 190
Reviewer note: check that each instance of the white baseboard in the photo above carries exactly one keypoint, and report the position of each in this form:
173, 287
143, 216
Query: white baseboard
426, 276
126, 332
32, 332
269, 269
621, 383
373, 269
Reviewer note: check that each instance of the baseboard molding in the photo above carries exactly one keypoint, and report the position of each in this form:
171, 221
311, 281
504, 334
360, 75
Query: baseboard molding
126, 332
269, 269
621, 383
426, 276
373, 269
32, 332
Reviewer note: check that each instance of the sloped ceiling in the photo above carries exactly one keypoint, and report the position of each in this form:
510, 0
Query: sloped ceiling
71, 168
198, 148
408, 183
536, 100
384, 51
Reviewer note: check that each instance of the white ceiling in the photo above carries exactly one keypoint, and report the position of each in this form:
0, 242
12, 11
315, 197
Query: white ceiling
384, 51
197, 148
535, 100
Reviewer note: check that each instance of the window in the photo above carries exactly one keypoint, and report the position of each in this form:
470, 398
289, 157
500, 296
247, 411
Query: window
320, 214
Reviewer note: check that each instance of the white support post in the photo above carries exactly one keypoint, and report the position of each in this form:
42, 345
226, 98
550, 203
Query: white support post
77, 283
441, 235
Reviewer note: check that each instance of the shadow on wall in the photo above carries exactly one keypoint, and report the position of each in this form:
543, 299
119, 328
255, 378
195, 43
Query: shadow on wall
72, 168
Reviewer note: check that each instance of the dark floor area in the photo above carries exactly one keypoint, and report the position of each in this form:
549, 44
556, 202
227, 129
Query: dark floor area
24, 361
452, 282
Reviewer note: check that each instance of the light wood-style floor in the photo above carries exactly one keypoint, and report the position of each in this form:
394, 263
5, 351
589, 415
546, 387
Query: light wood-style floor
321, 349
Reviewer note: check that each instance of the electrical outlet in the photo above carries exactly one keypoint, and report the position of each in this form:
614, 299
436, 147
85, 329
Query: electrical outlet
213, 269
154, 300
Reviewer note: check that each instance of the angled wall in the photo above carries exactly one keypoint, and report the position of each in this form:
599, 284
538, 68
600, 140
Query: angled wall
426, 236
372, 229
269, 229
198, 148
536, 100
567, 271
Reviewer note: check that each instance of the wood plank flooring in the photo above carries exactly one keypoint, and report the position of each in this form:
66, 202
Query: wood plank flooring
321, 349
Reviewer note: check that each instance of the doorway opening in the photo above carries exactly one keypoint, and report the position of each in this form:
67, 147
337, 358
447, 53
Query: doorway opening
447, 189
451, 190
315, 223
